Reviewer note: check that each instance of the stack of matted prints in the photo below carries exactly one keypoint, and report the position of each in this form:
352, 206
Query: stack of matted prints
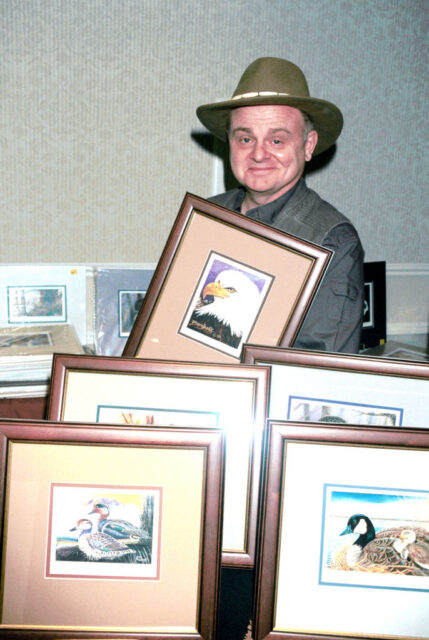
34, 294
46, 309
26, 357
42, 311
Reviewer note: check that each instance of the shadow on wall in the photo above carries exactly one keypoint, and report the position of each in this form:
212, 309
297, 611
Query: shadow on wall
213, 145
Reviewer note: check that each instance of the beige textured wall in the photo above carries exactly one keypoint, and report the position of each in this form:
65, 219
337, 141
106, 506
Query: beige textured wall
100, 140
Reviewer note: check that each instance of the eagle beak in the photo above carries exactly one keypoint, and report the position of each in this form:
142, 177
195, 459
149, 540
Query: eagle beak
215, 289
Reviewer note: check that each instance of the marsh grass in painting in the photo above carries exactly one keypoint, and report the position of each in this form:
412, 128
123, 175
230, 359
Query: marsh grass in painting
156, 416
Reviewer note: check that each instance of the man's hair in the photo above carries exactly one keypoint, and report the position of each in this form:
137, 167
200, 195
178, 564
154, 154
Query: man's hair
307, 126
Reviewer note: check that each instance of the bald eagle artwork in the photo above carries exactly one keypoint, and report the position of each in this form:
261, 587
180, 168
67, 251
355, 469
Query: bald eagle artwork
227, 307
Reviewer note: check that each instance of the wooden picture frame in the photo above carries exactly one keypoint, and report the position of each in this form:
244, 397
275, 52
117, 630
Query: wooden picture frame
216, 259
307, 586
333, 387
374, 316
55, 587
131, 390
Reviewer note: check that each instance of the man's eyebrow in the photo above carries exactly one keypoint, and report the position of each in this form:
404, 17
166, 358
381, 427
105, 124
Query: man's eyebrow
280, 129
245, 129
249, 130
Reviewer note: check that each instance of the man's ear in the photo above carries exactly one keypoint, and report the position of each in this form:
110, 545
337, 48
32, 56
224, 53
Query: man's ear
310, 144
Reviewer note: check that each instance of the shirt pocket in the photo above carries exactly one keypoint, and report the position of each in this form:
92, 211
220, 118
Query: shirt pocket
343, 295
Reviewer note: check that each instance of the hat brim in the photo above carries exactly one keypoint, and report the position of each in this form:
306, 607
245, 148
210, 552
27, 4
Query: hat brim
327, 118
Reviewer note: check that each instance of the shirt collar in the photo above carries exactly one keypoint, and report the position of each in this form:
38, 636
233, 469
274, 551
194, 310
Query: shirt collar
267, 212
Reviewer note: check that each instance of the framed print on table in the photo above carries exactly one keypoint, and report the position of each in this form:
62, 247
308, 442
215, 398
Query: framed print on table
40, 340
399, 350
331, 387
34, 294
132, 391
374, 316
102, 525
344, 550
119, 293
223, 280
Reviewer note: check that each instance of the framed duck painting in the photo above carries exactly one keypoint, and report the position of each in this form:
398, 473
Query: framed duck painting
102, 525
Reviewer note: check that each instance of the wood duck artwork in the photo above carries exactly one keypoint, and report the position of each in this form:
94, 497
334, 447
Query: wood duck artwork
401, 549
99, 546
116, 527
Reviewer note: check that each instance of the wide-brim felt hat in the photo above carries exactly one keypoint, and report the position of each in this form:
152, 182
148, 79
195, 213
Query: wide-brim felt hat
275, 81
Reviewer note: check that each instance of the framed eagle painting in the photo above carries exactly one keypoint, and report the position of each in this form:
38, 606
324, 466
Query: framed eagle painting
223, 280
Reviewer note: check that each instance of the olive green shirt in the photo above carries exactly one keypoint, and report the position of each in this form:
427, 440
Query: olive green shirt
334, 320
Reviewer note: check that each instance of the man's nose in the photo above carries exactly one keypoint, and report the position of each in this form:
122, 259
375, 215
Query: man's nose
259, 151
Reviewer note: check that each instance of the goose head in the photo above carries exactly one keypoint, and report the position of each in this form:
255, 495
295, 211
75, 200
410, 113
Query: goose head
361, 525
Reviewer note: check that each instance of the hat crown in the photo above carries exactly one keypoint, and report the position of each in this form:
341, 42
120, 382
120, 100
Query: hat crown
273, 75
274, 81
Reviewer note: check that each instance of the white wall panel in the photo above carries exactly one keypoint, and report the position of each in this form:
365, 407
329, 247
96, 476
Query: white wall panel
100, 142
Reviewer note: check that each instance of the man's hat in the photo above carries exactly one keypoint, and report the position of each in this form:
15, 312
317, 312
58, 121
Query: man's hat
275, 81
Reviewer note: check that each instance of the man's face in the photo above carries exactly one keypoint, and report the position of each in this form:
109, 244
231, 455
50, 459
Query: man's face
267, 149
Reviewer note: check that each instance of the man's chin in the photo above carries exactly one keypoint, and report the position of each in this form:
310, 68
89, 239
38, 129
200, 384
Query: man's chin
265, 188
259, 190
260, 186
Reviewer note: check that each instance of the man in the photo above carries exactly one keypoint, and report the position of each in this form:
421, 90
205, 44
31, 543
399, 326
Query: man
274, 127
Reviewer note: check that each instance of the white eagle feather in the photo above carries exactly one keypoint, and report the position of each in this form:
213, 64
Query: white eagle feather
236, 299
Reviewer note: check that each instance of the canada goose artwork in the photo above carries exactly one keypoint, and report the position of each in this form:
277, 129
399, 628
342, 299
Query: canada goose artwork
377, 537
401, 549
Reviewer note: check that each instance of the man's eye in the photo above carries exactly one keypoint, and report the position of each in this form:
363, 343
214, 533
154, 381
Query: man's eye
276, 141
245, 139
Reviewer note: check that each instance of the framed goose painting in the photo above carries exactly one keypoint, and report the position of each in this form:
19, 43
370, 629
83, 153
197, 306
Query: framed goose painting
344, 550
313, 386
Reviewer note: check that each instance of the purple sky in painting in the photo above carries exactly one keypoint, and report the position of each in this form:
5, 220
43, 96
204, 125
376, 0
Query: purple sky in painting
220, 265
